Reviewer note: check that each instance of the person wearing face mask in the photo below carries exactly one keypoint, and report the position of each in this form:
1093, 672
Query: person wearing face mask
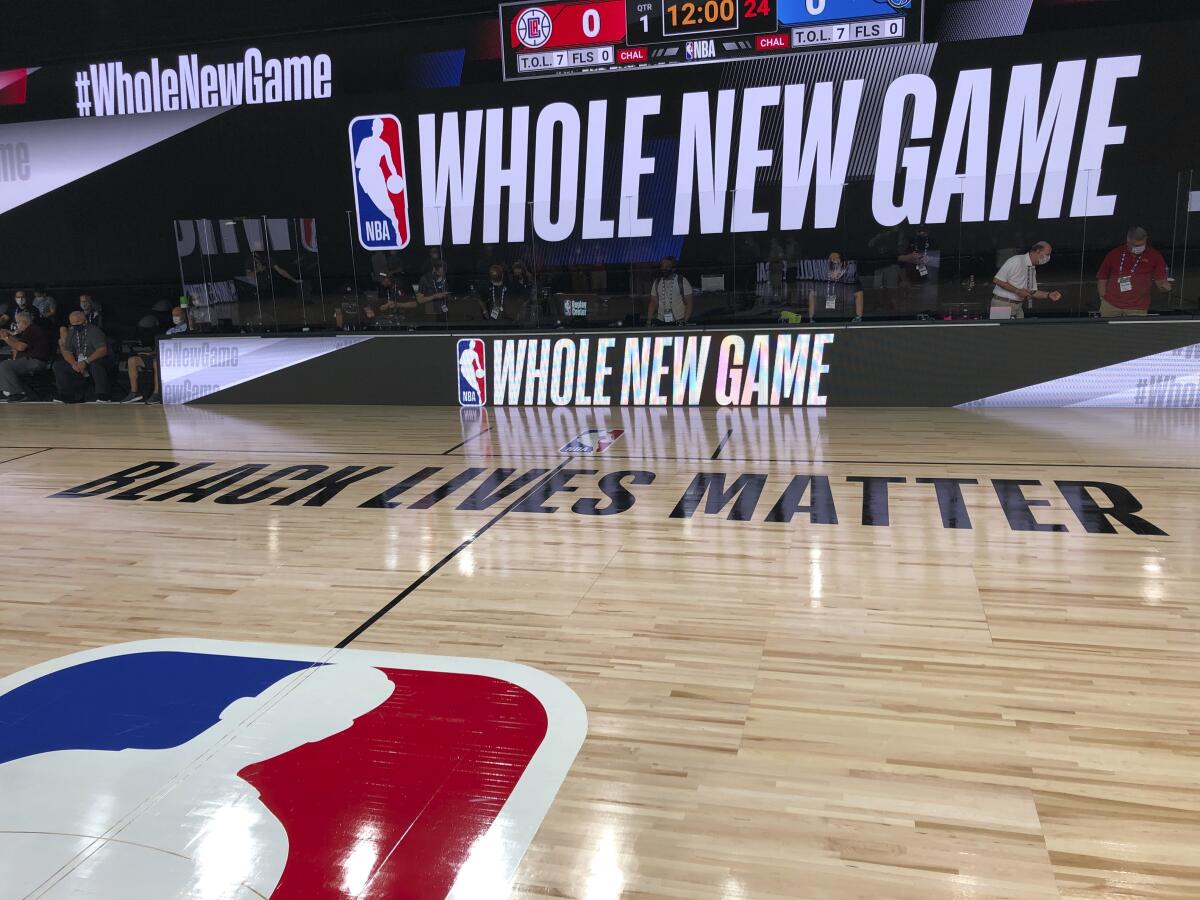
8, 314
84, 351
137, 363
91, 310
32, 350
670, 296
493, 299
1123, 281
433, 292
1016, 283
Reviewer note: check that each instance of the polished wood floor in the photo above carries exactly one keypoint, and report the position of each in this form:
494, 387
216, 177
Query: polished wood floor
776, 710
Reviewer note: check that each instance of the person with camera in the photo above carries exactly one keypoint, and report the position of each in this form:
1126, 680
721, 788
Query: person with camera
32, 351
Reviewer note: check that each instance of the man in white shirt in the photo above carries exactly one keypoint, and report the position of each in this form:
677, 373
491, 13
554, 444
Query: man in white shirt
670, 296
1016, 282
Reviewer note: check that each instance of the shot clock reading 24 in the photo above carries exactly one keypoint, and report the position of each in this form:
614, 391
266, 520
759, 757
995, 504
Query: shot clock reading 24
578, 36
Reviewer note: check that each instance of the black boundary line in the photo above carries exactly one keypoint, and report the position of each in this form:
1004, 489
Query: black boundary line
437, 566
482, 431
958, 463
25, 456
721, 446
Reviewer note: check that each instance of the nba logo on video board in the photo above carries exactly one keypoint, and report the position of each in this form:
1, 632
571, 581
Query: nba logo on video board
259, 770
472, 372
380, 190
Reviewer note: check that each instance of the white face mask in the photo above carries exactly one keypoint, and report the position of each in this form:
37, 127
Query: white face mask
1138, 250
176, 321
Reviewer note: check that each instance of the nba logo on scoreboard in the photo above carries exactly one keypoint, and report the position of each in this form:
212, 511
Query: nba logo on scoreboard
380, 191
263, 770
472, 372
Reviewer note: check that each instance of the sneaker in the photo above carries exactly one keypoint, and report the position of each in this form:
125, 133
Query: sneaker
57, 400
134, 398
856, 320
16, 398
102, 400
155, 398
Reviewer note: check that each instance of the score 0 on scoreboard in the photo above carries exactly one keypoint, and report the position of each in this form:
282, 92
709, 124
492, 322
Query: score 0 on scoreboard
577, 36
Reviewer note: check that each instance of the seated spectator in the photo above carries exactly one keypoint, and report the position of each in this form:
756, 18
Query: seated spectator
84, 351
43, 302
91, 310
139, 361
32, 348
46, 310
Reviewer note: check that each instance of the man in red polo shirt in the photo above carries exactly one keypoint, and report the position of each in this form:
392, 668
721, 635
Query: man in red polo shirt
1123, 281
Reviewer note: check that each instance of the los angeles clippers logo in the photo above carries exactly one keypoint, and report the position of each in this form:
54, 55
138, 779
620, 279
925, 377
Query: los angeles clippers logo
472, 372
380, 191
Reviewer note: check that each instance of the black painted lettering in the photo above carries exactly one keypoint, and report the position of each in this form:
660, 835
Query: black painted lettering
247, 492
439, 494
1095, 518
325, 489
535, 500
384, 500
206, 487
121, 479
611, 484
875, 497
950, 500
138, 491
1017, 507
493, 489
710, 487
820, 509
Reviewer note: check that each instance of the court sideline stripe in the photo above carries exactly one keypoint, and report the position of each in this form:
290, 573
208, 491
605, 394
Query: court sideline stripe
481, 432
959, 463
437, 566
25, 456
721, 446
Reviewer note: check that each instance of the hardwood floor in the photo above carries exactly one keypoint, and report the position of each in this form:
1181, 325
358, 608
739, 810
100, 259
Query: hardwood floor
944, 703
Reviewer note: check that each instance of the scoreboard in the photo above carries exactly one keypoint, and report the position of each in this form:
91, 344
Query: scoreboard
576, 36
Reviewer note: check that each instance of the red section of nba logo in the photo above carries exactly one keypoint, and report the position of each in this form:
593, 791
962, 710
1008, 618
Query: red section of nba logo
13, 87
391, 137
399, 799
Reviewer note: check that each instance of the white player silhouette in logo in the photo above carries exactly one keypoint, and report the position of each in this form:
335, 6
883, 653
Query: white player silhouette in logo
373, 156
149, 824
471, 368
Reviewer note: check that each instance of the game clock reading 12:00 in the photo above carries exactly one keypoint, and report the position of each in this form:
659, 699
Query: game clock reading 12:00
665, 20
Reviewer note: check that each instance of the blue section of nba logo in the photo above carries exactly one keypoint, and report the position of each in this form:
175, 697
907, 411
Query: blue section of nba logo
377, 173
140, 701
472, 372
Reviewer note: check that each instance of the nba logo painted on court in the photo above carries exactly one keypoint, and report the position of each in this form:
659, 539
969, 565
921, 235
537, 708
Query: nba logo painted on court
181, 768
380, 191
472, 372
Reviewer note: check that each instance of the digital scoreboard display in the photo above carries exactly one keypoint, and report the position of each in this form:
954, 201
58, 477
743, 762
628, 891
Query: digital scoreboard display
576, 36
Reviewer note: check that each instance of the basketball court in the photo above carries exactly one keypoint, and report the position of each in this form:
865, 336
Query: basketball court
907, 653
